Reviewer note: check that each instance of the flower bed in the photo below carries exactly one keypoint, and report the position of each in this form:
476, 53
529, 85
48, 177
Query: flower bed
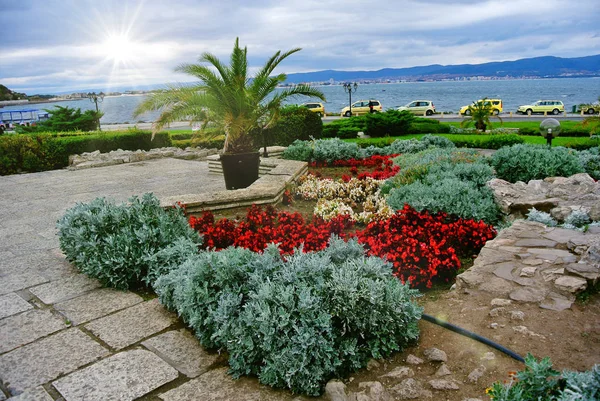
422, 247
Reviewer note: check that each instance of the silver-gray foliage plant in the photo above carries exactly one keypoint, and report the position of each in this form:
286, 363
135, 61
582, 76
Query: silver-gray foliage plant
117, 243
541, 217
578, 218
295, 323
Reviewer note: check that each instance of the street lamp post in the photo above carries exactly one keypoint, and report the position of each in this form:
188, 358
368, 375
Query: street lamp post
95, 98
349, 88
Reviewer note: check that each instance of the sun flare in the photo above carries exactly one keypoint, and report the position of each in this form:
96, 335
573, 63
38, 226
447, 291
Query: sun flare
118, 48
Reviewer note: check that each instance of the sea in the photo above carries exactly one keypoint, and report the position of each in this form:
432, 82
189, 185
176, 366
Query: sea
447, 96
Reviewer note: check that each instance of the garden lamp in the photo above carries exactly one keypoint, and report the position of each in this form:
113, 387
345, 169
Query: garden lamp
95, 98
549, 129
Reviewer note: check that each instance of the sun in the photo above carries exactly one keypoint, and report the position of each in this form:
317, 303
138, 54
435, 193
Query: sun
118, 48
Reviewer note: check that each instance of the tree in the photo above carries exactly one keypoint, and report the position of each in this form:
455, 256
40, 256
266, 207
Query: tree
479, 114
65, 119
227, 97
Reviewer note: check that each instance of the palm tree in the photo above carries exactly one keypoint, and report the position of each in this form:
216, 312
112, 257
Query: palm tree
479, 114
228, 98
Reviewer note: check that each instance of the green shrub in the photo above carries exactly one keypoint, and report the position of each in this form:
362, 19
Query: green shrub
574, 132
429, 127
532, 162
40, 152
296, 323
65, 119
294, 123
486, 141
345, 128
540, 382
117, 243
451, 195
389, 123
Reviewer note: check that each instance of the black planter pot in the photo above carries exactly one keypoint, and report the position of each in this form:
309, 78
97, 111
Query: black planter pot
240, 170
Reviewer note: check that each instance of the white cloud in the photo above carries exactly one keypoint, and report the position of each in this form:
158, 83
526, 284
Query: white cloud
67, 46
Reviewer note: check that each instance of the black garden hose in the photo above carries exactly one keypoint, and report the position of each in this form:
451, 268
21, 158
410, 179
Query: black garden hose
472, 335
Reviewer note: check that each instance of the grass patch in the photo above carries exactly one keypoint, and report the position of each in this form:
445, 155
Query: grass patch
524, 124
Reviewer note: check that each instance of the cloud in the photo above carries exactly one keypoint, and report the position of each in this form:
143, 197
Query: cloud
62, 44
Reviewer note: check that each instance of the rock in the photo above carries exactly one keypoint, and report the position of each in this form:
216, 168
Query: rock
517, 315
493, 326
524, 330
372, 364
501, 302
476, 374
584, 270
528, 294
594, 212
413, 360
435, 355
335, 390
443, 370
528, 271
570, 284
488, 356
408, 389
556, 303
532, 262
497, 312
441, 384
374, 391
552, 274
399, 372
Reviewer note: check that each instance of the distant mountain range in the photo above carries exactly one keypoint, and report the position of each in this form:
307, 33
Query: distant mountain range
540, 67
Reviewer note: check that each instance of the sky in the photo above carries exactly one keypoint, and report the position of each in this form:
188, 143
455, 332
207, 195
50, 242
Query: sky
57, 46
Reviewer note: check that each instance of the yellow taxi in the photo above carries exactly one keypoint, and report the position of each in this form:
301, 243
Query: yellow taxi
543, 106
362, 107
496, 107
315, 108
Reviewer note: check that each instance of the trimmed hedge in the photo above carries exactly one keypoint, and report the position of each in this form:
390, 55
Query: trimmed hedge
294, 123
486, 141
41, 152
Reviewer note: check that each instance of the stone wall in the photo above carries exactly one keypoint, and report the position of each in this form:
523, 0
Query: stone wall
97, 159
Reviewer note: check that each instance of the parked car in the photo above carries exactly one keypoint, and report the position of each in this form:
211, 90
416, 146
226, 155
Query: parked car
362, 107
316, 108
590, 108
419, 107
542, 106
496, 107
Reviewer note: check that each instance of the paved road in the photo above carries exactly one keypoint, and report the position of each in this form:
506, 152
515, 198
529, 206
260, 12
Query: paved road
506, 117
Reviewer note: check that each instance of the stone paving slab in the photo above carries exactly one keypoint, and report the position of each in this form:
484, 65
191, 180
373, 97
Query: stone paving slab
18, 281
125, 376
48, 358
96, 304
26, 327
132, 324
182, 350
64, 289
34, 394
217, 385
11, 304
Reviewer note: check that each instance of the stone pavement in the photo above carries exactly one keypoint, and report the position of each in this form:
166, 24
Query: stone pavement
62, 336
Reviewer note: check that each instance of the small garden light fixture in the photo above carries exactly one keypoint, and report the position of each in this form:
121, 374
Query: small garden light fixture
549, 129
